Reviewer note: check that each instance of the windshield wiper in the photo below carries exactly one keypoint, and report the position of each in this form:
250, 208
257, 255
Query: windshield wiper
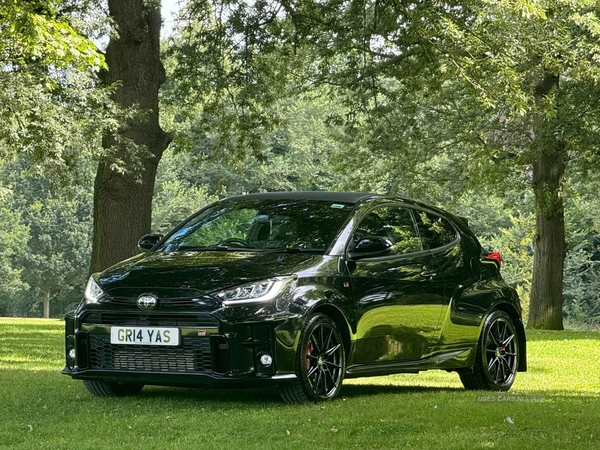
213, 248
297, 250
225, 248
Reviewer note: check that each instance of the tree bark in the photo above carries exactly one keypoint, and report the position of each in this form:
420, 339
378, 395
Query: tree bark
545, 308
123, 201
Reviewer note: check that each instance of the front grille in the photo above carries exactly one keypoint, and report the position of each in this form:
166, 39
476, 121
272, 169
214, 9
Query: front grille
193, 355
165, 320
164, 302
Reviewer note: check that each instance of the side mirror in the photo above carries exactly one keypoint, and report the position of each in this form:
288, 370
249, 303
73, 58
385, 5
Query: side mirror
371, 246
148, 241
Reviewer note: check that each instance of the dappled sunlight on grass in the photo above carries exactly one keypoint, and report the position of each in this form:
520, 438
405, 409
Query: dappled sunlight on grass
548, 335
32, 344
43, 409
560, 363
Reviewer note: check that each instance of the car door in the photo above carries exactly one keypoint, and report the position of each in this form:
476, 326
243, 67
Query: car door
398, 295
441, 238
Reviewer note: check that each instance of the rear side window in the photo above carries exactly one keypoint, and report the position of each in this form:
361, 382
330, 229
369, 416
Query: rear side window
435, 231
392, 222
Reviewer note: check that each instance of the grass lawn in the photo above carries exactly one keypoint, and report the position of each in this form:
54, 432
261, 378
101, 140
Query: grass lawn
556, 404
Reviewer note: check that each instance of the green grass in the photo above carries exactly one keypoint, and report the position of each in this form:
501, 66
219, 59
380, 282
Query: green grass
40, 408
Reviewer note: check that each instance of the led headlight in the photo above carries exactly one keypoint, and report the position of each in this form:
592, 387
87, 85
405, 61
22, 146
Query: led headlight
93, 293
256, 292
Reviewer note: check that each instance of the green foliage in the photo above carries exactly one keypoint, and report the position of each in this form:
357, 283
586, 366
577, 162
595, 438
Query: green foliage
229, 76
174, 201
582, 283
53, 258
582, 269
13, 241
53, 110
303, 153
460, 95
56, 129
475, 69
505, 224
56, 258
37, 34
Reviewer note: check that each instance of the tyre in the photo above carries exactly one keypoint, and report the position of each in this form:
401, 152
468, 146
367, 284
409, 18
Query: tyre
497, 357
103, 388
320, 363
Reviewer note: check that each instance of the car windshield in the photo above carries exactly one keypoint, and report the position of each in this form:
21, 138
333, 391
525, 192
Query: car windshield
261, 225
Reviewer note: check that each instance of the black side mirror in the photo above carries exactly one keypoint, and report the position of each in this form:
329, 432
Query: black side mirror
148, 241
371, 246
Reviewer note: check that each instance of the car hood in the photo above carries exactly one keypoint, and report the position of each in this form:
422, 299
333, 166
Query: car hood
184, 274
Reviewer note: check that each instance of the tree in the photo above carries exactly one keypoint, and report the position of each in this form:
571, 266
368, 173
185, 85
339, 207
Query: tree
52, 113
123, 198
301, 153
13, 241
57, 250
515, 85
531, 67
56, 113
53, 231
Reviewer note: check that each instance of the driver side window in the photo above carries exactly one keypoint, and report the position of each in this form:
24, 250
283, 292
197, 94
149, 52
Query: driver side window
394, 223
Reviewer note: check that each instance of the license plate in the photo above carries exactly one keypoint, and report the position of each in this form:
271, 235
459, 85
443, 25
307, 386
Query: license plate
144, 336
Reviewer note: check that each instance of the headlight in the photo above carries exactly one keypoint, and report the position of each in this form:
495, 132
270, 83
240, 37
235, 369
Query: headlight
93, 293
259, 291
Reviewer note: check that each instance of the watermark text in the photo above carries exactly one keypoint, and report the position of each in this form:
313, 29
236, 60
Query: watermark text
509, 398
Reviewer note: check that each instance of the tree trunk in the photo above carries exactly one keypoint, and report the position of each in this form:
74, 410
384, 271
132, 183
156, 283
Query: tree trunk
123, 201
545, 308
46, 303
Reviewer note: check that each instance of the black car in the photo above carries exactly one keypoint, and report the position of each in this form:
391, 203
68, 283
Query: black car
301, 290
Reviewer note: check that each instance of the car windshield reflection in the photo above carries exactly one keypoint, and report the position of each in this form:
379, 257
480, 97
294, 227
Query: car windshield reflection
266, 226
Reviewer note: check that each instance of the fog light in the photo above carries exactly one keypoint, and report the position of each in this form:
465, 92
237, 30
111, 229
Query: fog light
266, 360
71, 354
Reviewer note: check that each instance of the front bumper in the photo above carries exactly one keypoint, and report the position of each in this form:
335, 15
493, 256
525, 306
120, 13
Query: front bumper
211, 351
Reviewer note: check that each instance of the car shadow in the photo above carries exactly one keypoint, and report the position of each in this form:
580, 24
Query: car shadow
264, 395
360, 390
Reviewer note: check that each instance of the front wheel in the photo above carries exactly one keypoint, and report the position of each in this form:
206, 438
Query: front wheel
320, 363
101, 388
497, 358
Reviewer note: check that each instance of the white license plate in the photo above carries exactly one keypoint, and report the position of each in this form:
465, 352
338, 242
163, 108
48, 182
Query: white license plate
144, 336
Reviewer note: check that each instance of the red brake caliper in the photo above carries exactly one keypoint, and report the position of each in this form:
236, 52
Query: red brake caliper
309, 349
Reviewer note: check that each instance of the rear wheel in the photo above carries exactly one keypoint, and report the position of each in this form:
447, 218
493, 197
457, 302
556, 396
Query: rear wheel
497, 358
320, 362
103, 388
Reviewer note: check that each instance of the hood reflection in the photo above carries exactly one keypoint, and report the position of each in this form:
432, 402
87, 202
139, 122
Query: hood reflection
198, 273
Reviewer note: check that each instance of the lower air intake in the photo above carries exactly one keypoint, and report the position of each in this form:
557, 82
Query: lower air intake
193, 356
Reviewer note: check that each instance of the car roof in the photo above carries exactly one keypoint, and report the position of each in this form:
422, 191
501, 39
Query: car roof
327, 196
342, 197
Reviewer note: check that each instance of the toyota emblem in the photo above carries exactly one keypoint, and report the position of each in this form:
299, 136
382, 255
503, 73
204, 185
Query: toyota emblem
146, 302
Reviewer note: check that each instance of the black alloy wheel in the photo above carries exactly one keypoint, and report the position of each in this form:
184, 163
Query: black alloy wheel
497, 358
321, 363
